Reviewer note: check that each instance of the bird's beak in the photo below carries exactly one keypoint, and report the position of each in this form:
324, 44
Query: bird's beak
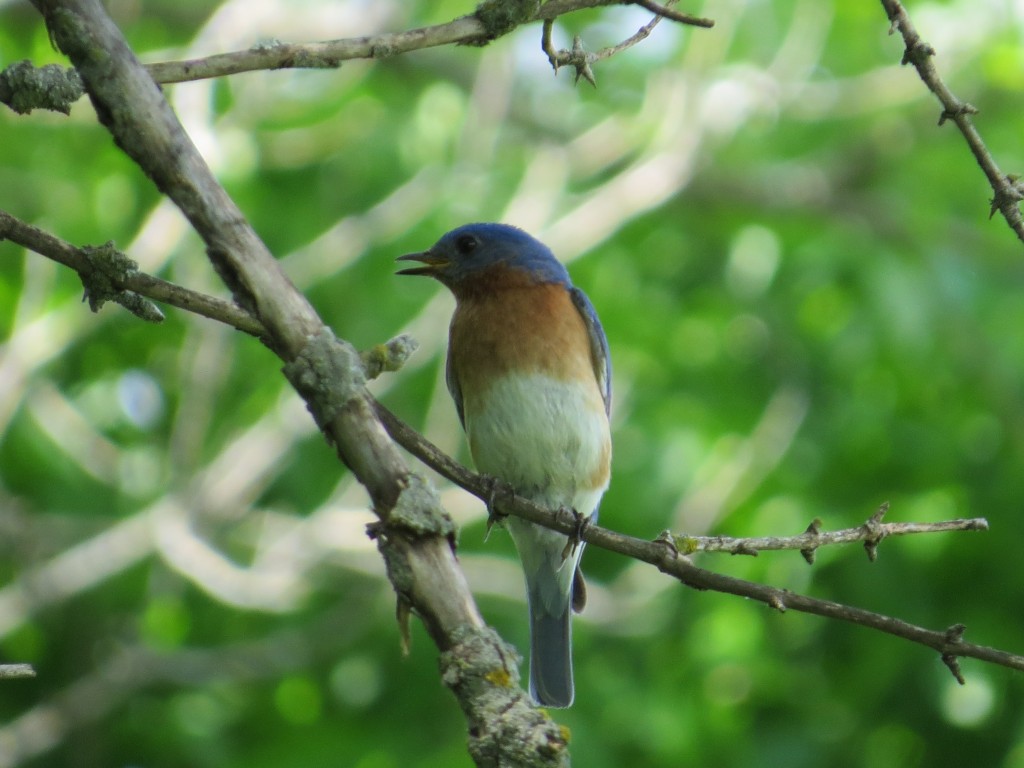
433, 264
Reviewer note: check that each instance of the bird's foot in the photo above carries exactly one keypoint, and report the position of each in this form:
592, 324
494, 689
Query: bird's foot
494, 487
576, 537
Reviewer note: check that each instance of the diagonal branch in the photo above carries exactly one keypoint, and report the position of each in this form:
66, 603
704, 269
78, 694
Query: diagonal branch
414, 535
1008, 191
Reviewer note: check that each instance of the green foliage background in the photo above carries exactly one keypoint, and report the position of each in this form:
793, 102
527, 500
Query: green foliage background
809, 313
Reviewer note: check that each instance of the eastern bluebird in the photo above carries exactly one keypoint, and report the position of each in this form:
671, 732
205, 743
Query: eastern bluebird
529, 371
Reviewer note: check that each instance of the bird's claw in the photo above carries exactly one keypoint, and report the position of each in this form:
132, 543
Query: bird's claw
576, 537
493, 516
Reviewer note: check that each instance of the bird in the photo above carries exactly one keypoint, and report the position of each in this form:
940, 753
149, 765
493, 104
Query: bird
529, 370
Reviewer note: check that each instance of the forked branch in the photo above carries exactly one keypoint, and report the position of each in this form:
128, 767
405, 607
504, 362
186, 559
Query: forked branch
1008, 190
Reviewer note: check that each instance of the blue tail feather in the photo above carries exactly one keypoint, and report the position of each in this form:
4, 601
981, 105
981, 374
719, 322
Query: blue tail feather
551, 659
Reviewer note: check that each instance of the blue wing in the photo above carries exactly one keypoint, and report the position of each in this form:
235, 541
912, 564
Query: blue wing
453, 388
598, 347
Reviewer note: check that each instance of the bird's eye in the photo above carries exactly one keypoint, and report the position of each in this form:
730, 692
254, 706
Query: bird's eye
466, 243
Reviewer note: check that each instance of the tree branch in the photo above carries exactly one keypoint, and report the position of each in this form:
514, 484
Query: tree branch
1008, 189
381, 358
664, 555
25, 88
328, 54
126, 280
579, 58
473, 29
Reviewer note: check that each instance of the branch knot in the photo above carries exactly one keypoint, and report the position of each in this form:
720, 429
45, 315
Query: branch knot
24, 87
500, 17
875, 533
389, 356
917, 53
109, 269
418, 512
962, 108
813, 532
327, 373
1007, 195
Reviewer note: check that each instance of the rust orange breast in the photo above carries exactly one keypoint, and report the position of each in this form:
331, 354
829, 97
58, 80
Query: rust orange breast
523, 330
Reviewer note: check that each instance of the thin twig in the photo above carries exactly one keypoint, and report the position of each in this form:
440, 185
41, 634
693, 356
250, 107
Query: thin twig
63, 252
381, 358
1008, 191
673, 15
330, 54
813, 538
629, 42
581, 59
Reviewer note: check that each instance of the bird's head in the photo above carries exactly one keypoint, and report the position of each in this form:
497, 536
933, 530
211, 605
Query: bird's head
476, 255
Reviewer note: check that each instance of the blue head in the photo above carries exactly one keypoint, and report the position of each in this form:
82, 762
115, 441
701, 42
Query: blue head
478, 255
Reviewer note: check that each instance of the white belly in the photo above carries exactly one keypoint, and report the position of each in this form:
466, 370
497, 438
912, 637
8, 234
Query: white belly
549, 439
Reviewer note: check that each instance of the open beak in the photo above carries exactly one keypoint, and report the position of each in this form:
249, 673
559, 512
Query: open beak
433, 264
